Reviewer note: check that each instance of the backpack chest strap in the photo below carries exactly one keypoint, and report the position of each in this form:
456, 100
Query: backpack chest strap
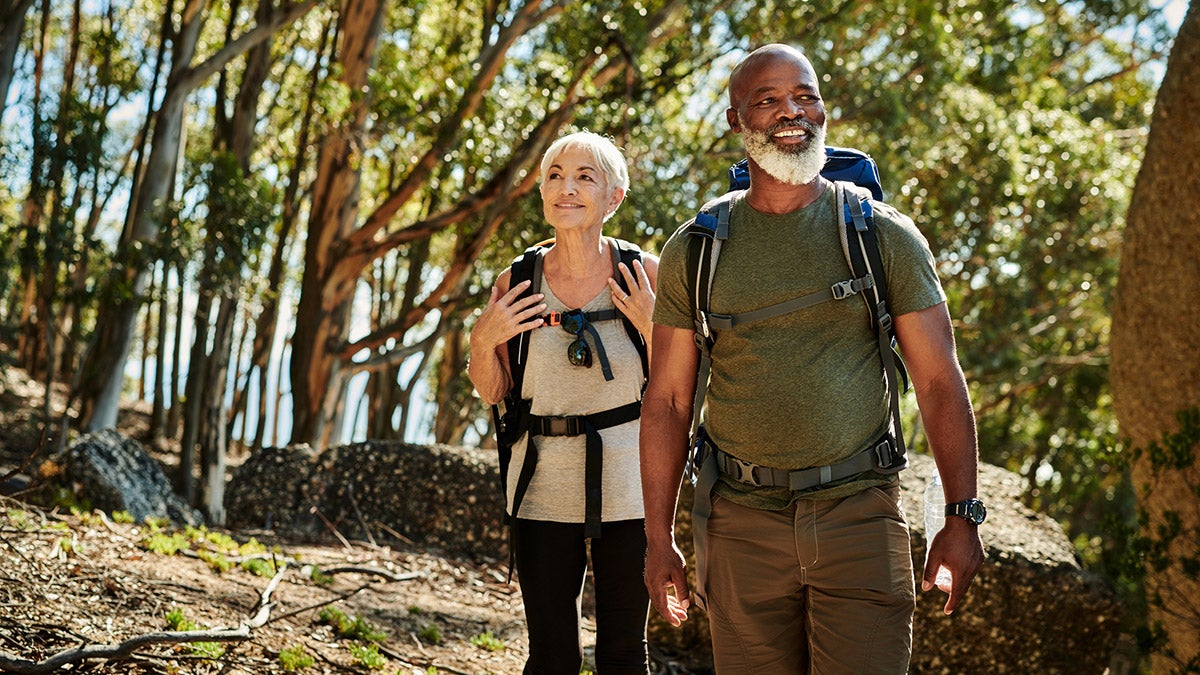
839, 291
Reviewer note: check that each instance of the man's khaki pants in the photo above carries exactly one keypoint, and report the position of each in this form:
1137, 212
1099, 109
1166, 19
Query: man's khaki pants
823, 586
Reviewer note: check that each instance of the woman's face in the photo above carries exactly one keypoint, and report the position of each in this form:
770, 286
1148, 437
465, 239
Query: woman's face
575, 192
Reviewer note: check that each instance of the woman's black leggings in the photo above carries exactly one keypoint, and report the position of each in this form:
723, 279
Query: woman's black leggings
551, 561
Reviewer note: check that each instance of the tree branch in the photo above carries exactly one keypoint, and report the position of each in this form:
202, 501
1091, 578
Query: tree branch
126, 648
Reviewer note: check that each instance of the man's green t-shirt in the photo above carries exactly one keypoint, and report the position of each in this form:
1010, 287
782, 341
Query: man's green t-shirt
807, 388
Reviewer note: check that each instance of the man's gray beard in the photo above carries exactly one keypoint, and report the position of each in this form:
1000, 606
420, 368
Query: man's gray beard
795, 168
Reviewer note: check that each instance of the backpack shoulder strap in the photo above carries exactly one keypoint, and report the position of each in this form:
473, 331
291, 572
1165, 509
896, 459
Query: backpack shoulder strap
525, 267
626, 252
707, 232
860, 245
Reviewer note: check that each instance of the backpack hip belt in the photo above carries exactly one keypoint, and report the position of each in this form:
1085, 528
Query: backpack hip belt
576, 425
880, 456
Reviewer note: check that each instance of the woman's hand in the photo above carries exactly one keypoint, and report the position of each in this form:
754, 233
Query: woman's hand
638, 304
506, 316
502, 318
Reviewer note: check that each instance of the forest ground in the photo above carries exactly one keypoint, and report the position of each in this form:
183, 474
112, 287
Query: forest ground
69, 580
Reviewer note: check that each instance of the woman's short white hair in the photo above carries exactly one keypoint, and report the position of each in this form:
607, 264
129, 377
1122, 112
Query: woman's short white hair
607, 155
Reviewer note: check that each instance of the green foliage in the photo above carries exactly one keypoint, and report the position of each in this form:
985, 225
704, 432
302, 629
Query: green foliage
367, 655
295, 658
487, 640
260, 566
177, 621
430, 632
123, 517
318, 577
1141, 543
164, 543
355, 628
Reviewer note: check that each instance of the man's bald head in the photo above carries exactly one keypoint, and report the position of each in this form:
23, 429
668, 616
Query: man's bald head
740, 78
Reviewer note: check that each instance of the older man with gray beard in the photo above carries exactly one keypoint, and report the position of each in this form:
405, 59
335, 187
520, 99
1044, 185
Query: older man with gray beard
817, 579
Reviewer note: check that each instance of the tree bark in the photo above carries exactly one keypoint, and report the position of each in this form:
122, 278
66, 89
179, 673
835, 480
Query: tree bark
323, 311
11, 27
115, 326
1155, 372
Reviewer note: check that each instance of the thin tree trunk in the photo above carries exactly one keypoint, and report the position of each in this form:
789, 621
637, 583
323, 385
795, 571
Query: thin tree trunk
323, 311
158, 412
114, 327
11, 26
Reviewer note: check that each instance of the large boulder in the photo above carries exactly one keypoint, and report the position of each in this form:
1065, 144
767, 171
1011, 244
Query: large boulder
116, 473
438, 496
1031, 608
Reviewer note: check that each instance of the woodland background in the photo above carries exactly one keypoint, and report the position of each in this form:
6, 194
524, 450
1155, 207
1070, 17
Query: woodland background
274, 222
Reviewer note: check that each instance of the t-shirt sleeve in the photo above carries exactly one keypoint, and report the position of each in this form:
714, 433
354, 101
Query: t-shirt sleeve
912, 278
673, 305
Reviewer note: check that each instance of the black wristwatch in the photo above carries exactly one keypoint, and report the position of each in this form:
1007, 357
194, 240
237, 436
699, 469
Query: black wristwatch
971, 509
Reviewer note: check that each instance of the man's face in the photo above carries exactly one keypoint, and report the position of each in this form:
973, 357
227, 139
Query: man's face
776, 106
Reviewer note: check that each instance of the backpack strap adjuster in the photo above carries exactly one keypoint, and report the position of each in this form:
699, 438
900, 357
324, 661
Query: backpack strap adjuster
569, 425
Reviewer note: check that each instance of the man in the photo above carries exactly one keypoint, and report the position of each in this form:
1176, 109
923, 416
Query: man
818, 579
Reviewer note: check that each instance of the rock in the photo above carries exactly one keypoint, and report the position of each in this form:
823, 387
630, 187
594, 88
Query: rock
437, 496
1031, 608
116, 473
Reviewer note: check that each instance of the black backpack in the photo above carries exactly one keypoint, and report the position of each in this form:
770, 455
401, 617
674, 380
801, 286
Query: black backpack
512, 416
856, 180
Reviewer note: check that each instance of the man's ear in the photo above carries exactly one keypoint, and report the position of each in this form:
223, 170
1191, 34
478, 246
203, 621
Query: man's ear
731, 116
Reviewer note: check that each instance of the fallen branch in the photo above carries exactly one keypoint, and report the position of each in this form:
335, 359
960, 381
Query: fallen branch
377, 571
122, 650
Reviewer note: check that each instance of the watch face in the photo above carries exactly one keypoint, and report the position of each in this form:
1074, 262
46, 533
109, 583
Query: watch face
976, 511
971, 509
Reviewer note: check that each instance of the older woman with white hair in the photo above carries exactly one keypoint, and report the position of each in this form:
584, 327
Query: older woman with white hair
563, 345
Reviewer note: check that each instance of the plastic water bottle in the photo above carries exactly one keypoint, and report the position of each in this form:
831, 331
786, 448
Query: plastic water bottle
935, 518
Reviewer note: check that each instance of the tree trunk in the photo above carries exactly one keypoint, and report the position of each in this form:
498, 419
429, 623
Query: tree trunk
11, 27
1155, 372
323, 311
115, 324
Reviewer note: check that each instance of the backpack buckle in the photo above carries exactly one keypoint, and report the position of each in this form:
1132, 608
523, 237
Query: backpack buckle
842, 289
562, 426
742, 471
885, 456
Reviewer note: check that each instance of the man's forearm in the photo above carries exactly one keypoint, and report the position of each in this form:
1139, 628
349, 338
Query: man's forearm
663, 456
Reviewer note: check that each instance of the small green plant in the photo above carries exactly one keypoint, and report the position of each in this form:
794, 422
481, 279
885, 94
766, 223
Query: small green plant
208, 650
156, 523
430, 633
415, 611
431, 670
21, 520
355, 628
123, 517
215, 560
486, 640
295, 658
177, 621
166, 544
318, 577
259, 566
368, 655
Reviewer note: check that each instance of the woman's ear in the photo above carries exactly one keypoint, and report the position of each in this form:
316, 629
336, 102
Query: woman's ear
615, 197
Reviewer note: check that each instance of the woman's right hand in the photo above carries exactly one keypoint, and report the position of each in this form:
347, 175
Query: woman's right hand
505, 316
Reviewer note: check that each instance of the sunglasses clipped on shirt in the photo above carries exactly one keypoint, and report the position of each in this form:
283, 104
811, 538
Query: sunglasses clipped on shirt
579, 323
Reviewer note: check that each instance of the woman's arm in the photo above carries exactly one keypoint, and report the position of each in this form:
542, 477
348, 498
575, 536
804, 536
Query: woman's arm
502, 318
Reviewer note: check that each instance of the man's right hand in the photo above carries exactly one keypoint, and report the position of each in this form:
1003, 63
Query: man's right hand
666, 580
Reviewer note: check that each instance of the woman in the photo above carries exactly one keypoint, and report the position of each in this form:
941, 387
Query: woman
577, 484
